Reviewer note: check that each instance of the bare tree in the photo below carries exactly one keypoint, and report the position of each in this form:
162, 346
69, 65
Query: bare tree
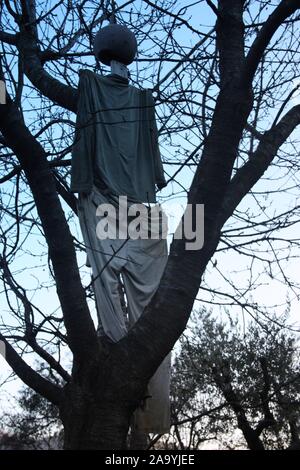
225, 108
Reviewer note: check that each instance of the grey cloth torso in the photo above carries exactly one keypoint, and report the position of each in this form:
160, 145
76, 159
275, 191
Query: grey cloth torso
116, 143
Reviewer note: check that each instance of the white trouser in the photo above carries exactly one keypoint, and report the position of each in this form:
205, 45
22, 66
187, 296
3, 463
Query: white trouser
141, 263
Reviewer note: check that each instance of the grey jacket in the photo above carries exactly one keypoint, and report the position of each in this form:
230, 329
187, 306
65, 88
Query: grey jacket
116, 140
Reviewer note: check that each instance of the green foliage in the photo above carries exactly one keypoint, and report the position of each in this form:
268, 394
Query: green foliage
232, 378
34, 425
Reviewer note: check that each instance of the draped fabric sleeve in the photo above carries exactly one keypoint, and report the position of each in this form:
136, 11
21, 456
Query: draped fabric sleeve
158, 166
83, 145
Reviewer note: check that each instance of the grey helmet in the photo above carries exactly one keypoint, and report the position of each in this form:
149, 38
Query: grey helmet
115, 42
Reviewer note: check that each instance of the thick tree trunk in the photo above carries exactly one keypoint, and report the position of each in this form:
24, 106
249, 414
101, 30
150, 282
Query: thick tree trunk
97, 408
95, 426
138, 440
98, 421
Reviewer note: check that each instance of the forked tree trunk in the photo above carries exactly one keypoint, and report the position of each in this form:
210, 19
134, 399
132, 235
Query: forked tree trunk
95, 427
97, 406
93, 421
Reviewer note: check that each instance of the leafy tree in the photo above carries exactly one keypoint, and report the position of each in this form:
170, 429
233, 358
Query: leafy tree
227, 379
34, 424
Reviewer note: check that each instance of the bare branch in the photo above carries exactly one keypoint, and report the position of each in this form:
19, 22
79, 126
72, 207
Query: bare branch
173, 15
52, 392
9, 38
230, 39
79, 325
268, 419
246, 177
62, 94
223, 380
285, 9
